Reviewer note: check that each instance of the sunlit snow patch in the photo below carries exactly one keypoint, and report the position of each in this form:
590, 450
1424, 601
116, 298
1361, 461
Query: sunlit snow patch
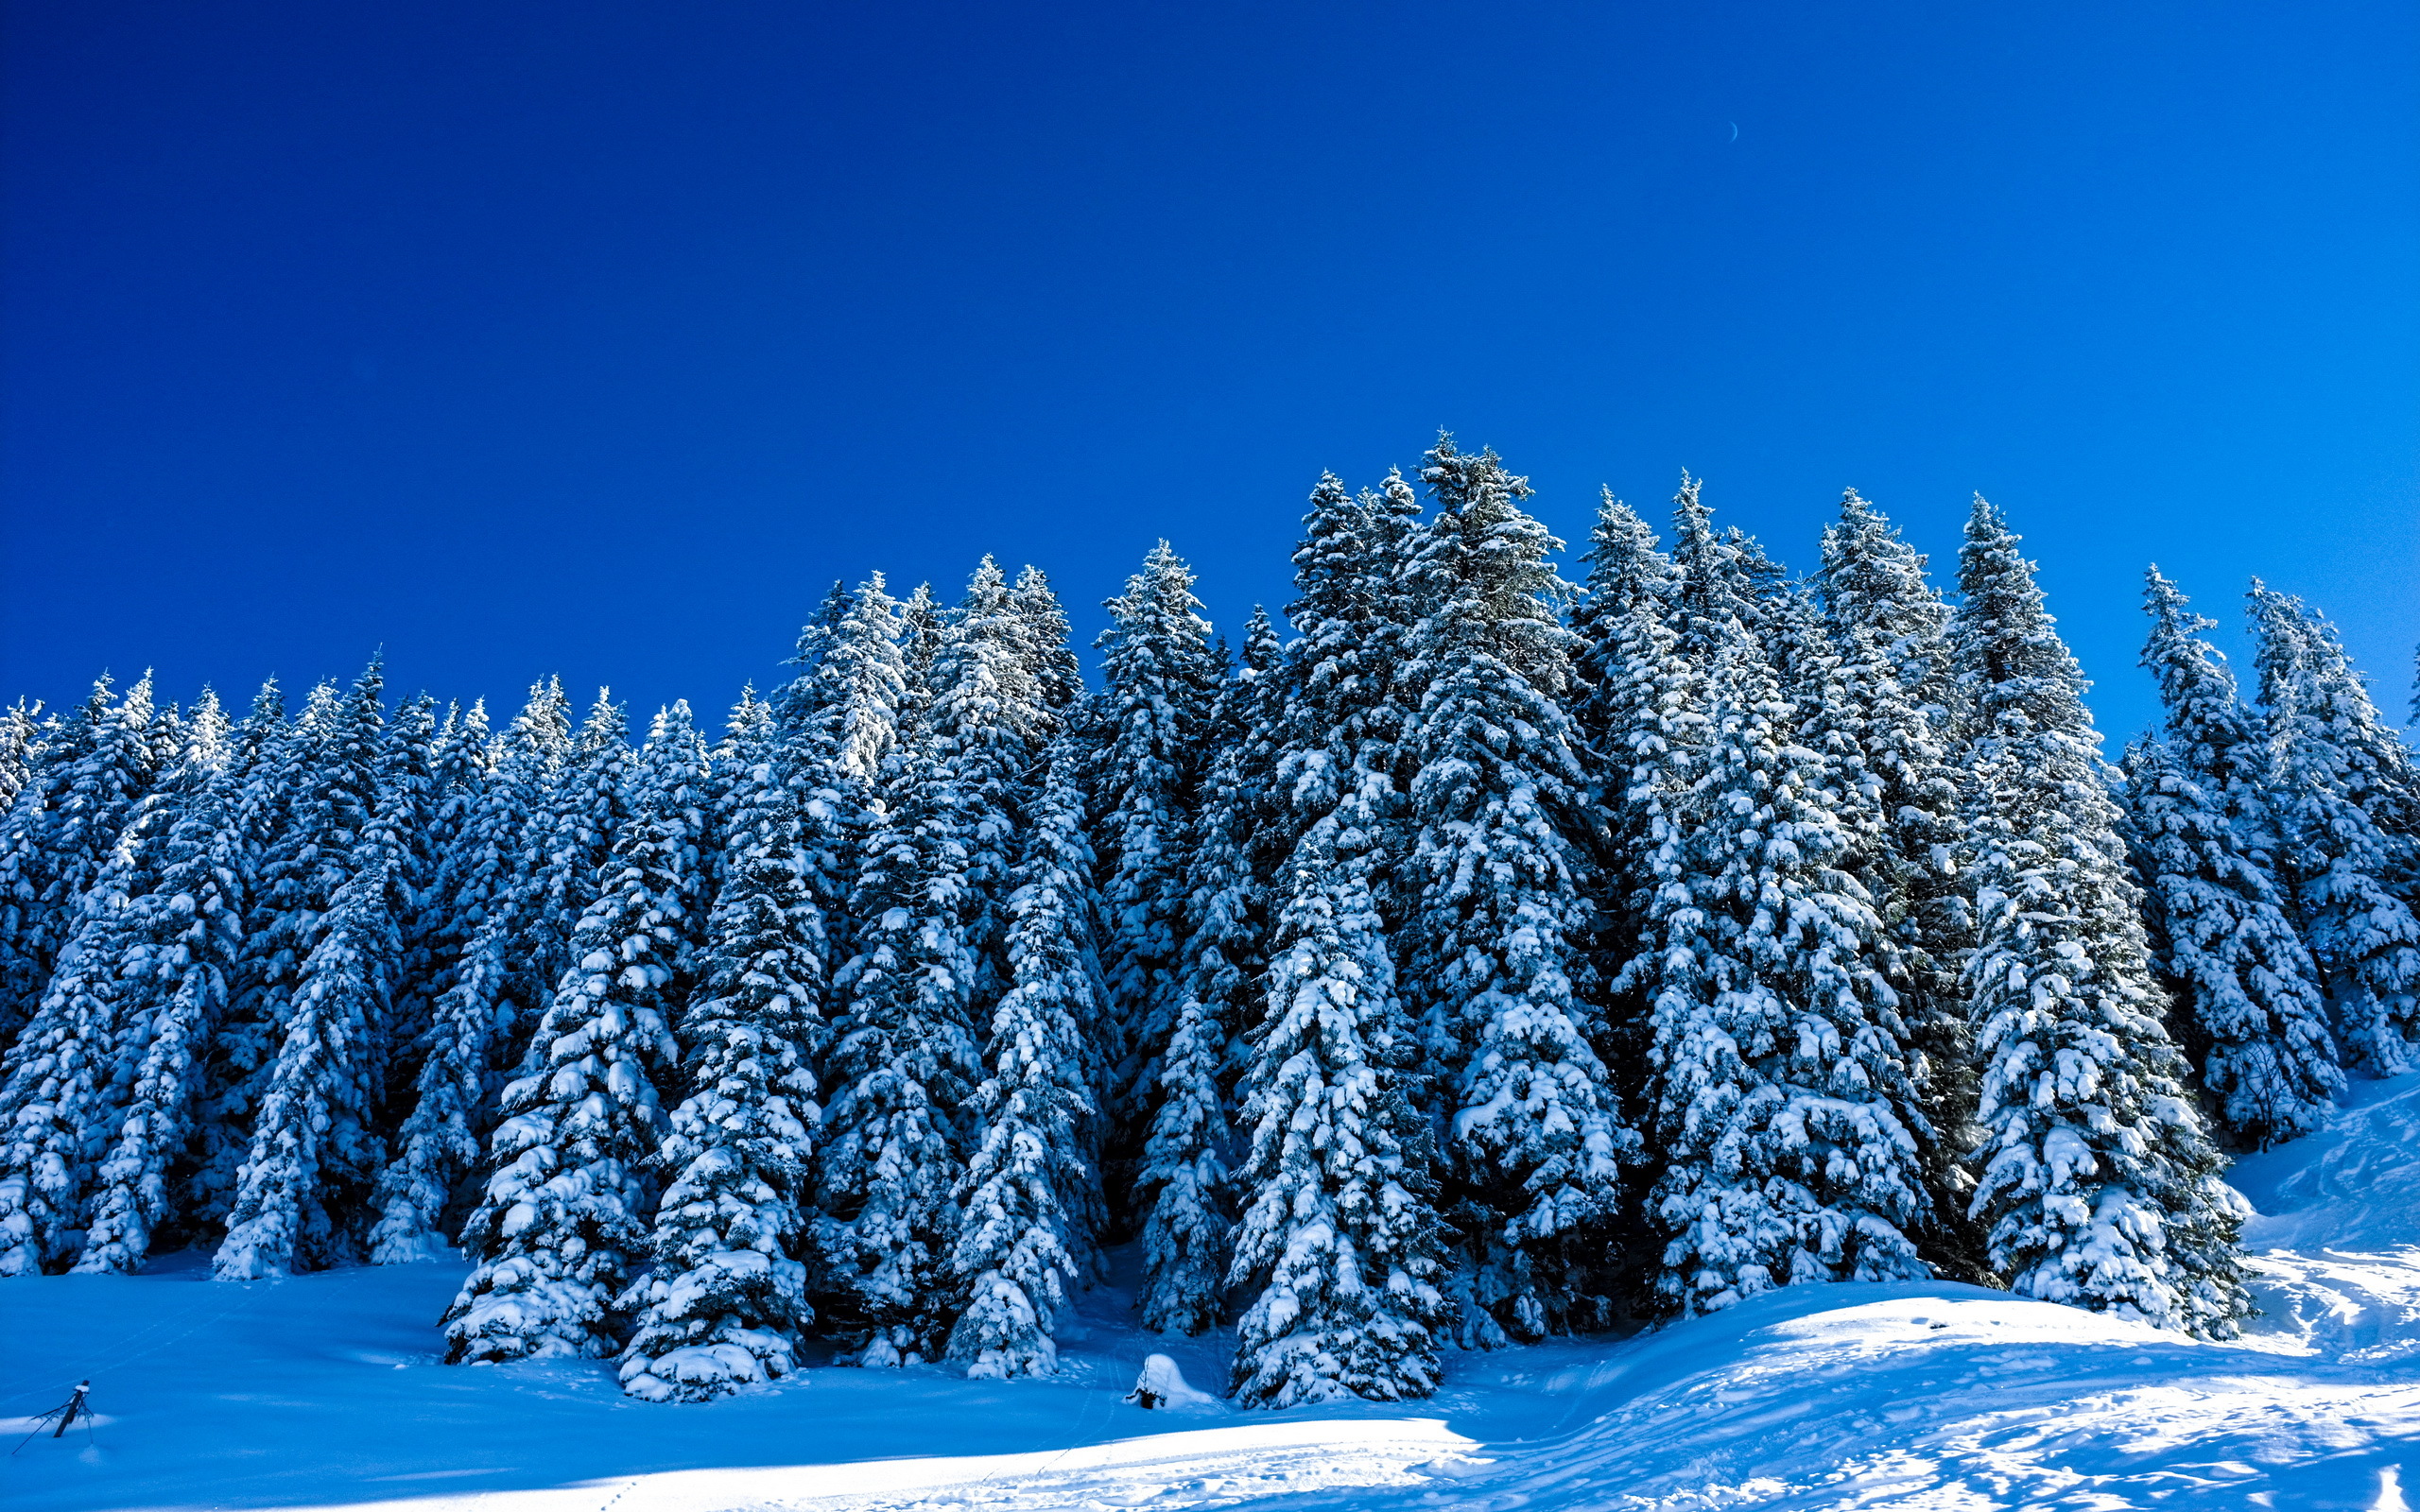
1211, 1467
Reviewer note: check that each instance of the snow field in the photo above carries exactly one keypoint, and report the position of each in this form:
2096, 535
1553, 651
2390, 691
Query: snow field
1216, 1466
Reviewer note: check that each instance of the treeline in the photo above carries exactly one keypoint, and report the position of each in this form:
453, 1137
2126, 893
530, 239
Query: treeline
1491, 958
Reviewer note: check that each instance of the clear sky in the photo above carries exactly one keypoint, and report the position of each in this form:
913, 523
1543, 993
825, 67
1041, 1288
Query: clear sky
598, 338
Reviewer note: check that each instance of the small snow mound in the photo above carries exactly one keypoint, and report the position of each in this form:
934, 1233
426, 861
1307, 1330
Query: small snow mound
1163, 1385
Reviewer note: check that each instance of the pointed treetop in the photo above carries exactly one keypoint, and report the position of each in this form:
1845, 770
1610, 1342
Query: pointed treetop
1463, 481
1871, 576
1624, 565
608, 724
1056, 666
816, 634
1262, 650
920, 627
2010, 650
2205, 717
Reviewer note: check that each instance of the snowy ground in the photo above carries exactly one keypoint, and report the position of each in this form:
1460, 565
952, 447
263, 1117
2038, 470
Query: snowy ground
324, 1391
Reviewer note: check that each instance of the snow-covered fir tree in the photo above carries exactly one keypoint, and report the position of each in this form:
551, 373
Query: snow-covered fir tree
309, 801
1789, 1120
2216, 740
1183, 1182
1885, 719
58, 1072
486, 885
64, 1082
184, 937
564, 1220
59, 833
2337, 788
726, 1302
586, 805
1339, 1246
1717, 578
1497, 883
1639, 706
926, 969
1058, 673
2247, 995
1030, 1197
1340, 1243
1340, 710
2253, 1006
1159, 680
408, 805
24, 737
2096, 1183
840, 723
302, 1191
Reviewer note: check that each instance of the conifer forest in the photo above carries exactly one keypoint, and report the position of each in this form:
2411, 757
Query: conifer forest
1466, 955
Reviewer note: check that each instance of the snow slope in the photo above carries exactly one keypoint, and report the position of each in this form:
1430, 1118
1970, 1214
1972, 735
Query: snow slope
323, 1391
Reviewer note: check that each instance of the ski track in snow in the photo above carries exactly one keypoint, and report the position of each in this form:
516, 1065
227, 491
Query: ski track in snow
324, 1392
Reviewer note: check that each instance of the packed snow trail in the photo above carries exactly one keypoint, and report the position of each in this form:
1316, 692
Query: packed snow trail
323, 1391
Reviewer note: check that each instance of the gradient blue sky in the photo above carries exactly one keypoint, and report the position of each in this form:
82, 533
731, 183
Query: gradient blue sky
596, 338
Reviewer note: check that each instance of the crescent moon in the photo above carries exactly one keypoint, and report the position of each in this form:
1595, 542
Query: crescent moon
1735, 130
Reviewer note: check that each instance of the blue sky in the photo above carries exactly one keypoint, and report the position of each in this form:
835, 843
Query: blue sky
597, 338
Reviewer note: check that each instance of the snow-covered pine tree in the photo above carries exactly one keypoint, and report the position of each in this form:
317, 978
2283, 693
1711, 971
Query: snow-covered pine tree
58, 1072
24, 737
584, 812
302, 1191
1717, 576
485, 886
411, 810
1148, 749
59, 836
797, 701
1626, 572
1886, 720
922, 621
2209, 733
28, 949
1339, 718
1183, 1184
2338, 792
1058, 673
2097, 1182
563, 1220
840, 723
309, 800
168, 735
1339, 1245
1789, 1123
1030, 1197
463, 764
185, 936
1639, 707
2204, 835
1497, 880
726, 1302
2248, 1004
927, 968
63, 1084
